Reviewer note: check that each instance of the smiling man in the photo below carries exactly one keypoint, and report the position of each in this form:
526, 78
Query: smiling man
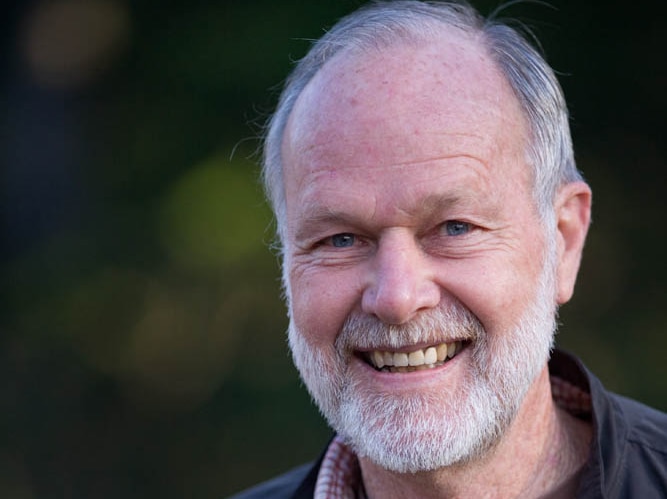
432, 220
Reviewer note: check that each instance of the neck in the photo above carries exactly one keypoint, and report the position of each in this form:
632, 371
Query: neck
540, 455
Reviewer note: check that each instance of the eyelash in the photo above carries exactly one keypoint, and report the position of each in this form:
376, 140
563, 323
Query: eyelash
452, 228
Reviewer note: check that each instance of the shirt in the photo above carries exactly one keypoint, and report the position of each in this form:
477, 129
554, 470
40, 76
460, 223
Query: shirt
628, 457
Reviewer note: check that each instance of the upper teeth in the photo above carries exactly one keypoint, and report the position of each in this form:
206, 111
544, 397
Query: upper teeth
425, 358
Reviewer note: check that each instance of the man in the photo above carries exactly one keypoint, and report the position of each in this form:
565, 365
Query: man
432, 220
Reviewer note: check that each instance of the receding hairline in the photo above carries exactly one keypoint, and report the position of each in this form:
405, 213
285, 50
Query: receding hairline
464, 54
347, 60
378, 25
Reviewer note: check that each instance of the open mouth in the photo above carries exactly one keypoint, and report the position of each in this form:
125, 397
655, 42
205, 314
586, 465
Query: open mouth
416, 360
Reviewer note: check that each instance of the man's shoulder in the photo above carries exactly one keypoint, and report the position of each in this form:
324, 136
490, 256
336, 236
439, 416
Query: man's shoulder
647, 426
282, 486
636, 464
629, 454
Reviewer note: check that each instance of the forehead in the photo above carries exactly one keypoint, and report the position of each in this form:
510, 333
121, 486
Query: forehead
406, 104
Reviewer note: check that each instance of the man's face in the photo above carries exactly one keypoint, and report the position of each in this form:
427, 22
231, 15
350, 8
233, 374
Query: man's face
413, 238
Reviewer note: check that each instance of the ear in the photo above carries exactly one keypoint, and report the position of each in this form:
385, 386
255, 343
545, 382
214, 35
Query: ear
573, 213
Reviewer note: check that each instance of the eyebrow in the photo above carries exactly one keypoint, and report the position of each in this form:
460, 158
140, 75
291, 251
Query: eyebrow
320, 217
437, 203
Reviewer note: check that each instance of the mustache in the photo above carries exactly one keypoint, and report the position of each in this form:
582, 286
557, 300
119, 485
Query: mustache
448, 323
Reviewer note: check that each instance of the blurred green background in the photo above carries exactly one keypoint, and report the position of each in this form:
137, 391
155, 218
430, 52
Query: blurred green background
142, 346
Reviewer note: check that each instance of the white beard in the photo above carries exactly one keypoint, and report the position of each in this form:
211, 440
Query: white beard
426, 430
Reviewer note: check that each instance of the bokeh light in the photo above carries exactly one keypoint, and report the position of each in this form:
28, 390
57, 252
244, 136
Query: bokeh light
67, 43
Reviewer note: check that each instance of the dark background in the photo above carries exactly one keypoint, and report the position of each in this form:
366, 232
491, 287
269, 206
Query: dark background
142, 346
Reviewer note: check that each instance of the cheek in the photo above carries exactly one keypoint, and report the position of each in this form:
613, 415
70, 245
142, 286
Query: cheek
320, 304
478, 286
497, 291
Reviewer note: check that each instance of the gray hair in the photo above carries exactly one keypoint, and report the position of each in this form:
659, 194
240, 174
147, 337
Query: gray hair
381, 24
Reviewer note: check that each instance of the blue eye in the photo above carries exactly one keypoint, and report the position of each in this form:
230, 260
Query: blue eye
342, 240
456, 228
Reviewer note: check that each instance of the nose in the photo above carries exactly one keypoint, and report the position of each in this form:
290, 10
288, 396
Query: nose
400, 283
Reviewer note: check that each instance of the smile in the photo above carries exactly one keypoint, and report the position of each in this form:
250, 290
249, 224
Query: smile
417, 360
